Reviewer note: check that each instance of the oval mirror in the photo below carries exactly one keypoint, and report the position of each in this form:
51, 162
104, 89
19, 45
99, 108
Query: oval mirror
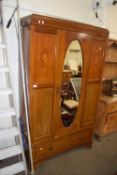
71, 83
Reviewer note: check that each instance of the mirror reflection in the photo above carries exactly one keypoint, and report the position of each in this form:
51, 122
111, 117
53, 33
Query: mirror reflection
71, 83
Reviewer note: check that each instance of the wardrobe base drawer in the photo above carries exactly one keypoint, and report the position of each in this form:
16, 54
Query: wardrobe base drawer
46, 150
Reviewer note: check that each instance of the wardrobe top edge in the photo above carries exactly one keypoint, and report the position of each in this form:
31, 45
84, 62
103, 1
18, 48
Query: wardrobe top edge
63, 24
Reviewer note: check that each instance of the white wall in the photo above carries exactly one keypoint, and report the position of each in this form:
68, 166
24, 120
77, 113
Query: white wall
111, 20
77, 10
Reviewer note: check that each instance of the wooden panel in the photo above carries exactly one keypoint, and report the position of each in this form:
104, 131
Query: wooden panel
110, 71
97, 60
65, 25
111, 123
48, 149
41, 113
42, 65
100, 118
106, 114
90, 105
111, 55
112, 107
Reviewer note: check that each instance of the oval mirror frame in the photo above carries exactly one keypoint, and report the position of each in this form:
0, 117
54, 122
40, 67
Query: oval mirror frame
71, 83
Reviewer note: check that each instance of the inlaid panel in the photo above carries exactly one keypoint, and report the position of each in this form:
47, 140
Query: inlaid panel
96, 60
42, 64
41, 113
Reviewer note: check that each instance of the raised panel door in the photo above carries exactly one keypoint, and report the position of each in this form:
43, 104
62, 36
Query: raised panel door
96, 60
43, 55
90, 104
41, 113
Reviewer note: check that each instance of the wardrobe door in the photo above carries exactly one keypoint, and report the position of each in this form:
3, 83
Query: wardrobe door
97, 60
94, 78
71, 82
43, 57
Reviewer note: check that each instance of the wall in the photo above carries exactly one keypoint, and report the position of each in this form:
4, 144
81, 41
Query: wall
107, 15
111, 20
77, 10
49, 7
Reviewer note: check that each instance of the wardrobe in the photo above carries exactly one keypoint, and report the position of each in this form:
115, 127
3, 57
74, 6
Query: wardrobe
62, 94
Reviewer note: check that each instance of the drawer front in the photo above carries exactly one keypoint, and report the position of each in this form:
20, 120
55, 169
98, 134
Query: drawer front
42, 151
112, 107
51, 148
111, 123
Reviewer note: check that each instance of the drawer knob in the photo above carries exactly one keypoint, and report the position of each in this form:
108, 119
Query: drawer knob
39, 21
40, 148
35, 86
43, 21
55, 137
100, 48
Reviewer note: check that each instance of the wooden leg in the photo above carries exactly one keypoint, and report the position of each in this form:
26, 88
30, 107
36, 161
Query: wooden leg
36, 165
89, 144
115, 173
98, 138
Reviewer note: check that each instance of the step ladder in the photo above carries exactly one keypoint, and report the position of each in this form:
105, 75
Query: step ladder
13, 132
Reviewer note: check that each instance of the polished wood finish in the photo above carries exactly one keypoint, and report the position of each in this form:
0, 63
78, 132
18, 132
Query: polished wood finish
47, 149
45, 42
64, 24
96, 64
111, 55
43, 56
41, 123
110, 67
106, 120
110, 71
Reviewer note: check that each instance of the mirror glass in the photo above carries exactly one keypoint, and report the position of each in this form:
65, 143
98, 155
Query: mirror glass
71, 83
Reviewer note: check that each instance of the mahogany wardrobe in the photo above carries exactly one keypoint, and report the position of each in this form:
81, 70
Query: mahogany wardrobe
63, 63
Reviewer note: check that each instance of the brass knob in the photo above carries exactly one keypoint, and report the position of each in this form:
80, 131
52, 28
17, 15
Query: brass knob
43, 22
39, 21
100, 48
35, 85
40, 148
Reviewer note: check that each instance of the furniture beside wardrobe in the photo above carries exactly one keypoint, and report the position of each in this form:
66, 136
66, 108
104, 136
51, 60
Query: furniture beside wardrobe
59, 121
106, 120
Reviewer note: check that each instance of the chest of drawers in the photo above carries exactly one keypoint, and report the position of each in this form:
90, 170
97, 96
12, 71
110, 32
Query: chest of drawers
106, 120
